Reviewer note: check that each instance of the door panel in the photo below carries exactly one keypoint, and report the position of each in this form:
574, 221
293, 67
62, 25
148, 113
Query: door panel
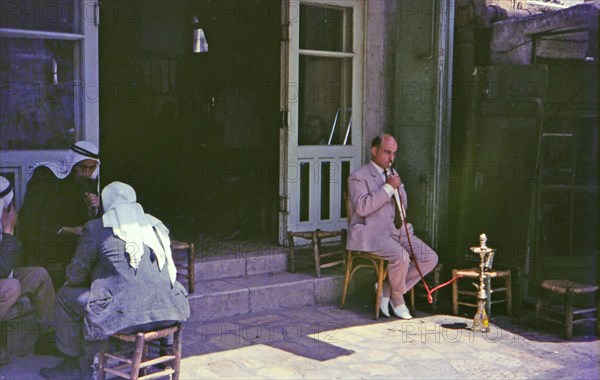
321, 111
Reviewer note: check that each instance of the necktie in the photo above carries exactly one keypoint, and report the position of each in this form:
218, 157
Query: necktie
397, 218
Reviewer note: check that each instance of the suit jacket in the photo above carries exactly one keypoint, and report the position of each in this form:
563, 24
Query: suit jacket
121, 297
371, 219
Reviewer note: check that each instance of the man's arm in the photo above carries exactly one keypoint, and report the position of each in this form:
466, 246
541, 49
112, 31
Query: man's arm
10, 247
78, 272
366, 202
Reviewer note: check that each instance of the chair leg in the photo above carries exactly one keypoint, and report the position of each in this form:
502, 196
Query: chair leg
136, 361
538, 304
316, 248
346, 279
454, 294
142, 371
177, 352
291, 258
508, 280
380, 275
102, 361
436, 282
344, 240
569, 300
412, 300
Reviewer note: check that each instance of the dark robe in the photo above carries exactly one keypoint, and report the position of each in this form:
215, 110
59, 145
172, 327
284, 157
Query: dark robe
50, 204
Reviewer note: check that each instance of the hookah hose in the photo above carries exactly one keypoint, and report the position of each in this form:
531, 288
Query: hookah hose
413, 257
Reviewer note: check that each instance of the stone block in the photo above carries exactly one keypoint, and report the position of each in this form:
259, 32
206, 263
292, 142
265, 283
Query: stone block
266, 262
218, 299
219, 267
278, 290
328, 289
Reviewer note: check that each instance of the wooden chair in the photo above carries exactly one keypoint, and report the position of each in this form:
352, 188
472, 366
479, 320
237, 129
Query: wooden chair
357, 260
136, 361
570, 314
366, 260
188, 266
473, 273
316, 240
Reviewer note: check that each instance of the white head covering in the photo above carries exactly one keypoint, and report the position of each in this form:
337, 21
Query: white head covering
6, 196
136, 229
81, 150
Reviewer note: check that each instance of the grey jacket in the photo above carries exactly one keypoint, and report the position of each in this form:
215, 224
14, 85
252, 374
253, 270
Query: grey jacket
120, 296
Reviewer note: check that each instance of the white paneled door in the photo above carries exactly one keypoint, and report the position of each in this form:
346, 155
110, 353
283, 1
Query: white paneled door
321, 104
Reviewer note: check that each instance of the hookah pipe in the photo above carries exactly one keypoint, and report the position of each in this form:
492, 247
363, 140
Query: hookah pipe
400, 205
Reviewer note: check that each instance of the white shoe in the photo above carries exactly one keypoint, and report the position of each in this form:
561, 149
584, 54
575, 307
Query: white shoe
384, 303
401, 311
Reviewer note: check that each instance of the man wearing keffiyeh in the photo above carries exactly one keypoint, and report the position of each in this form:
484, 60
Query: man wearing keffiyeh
61, 196
18, 281
122, 279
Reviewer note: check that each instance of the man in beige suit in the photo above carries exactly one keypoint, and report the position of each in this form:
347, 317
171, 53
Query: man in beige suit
376, 224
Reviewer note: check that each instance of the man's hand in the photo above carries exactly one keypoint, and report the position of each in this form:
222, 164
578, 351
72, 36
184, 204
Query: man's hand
394, 180
93, 203
71, 230
9, 219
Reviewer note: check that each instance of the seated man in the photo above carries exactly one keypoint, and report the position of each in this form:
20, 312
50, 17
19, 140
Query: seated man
16, 282
61, 196
122, 279
378, 201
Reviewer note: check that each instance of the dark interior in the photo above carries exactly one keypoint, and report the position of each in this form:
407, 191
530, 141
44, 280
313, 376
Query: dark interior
196, 134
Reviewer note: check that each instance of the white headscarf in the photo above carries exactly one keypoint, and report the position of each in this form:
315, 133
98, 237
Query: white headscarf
6, 196
136, 229
81, 150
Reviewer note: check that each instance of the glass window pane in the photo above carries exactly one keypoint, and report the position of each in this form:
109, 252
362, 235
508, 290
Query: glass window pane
54, 16
325, 189
304, 191
325, 28
325, 101
38, 94
344, 188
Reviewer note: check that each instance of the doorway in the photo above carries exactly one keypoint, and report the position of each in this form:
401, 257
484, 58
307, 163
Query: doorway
196, 134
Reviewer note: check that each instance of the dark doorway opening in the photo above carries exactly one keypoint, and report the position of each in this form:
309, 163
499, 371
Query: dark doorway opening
196, 134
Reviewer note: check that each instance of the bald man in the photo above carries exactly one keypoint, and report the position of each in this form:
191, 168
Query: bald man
377, 227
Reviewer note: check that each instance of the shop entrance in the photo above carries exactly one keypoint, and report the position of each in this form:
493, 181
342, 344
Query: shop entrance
195, 133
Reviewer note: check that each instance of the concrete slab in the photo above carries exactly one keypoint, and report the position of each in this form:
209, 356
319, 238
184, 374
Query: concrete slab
266, 262
277, 290
356, 346
240, 264
218, 299
328, 289
216, 268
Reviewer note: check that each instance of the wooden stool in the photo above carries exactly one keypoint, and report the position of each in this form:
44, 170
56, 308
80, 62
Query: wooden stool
316, 238
474, 274
569, 312
421, 289
138, 361
189, 267
366, 260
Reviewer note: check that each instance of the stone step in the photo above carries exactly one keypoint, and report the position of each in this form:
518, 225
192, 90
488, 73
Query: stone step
220, 260
224, 297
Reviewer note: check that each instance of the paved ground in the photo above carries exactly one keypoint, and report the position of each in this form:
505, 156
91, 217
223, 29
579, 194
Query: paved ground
325, 342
